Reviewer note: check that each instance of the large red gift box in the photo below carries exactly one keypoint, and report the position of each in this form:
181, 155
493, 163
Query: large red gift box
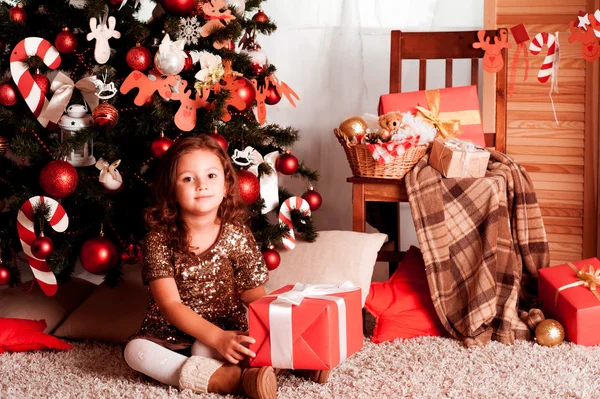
308, 336
455, 103
575, 307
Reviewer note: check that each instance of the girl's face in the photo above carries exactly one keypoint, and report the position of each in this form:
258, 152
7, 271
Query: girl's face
200, 184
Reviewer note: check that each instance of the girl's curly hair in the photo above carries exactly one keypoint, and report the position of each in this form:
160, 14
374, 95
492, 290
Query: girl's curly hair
164, 214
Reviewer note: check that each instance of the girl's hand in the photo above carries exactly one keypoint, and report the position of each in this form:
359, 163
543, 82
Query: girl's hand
229, 345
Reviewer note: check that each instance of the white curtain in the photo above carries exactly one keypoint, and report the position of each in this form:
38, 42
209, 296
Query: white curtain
335, 55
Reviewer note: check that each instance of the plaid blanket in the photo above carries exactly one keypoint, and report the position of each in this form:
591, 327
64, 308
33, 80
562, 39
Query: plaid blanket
483, 241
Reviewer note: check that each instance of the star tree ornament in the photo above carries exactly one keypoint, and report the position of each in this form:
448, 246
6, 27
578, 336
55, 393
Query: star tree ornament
102, 34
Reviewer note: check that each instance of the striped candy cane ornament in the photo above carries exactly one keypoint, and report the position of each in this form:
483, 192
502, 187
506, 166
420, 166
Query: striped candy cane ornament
59, 221
31, 92
285, 217
540, 40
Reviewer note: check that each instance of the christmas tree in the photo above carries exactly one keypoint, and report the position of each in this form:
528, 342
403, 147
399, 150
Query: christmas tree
90, 99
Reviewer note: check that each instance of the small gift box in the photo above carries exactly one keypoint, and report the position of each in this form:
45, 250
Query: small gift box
454, 111
458, 158
568, 294
307, 327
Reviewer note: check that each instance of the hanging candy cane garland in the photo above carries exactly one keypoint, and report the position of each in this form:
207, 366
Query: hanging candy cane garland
540, 40
285, 217
29, 89
59, 221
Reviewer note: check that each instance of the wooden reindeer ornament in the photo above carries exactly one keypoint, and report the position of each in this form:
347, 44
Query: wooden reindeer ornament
216, 19
261, 107
587, 36
492, 59
230, 82
148, 85
185, 118
102, 33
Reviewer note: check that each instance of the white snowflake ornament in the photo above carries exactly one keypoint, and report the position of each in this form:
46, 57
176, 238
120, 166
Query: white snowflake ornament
189, 30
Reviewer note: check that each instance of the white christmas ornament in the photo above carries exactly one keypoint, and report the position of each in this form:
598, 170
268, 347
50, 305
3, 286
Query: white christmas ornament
189, 30
212, 69
102, 33
170, 57
109, 175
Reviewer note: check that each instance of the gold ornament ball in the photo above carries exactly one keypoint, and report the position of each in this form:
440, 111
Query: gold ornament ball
353, 126
549, 333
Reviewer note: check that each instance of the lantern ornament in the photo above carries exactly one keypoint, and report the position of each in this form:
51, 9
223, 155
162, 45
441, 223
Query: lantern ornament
72, 122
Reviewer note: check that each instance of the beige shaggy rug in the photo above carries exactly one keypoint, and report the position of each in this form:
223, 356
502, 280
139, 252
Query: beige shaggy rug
418, 368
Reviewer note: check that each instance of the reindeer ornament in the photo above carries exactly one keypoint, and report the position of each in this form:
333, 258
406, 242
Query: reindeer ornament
102, 33
588, 36
217, 19
492, 59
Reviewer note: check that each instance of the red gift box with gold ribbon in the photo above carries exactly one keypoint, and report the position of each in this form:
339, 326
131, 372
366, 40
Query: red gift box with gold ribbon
453, 110
306, 327
569, 294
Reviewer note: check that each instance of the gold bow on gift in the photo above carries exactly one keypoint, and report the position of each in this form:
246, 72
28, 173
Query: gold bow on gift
63, 86
447, 127
589, 279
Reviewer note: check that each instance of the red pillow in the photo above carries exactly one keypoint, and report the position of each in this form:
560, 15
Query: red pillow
402, 306
21, 335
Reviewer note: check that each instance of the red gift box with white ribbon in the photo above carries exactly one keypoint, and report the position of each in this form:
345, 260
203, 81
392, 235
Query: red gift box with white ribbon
307, 327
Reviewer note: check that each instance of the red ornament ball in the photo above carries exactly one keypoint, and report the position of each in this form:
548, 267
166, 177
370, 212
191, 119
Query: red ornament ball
257, 69
105, 116
249, 186
221, 140
139, 58
42, 81
272, 258
287, 164
260, 16
42, 247
5, 275
66, 41
8, 94
189, 63
313, 198
246, 92
230, 45
178, 7
58, 179
18, 14
98, 255
273, 96
131, 254
160, 146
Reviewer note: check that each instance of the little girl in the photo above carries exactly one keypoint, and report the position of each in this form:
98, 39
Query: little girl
202, 265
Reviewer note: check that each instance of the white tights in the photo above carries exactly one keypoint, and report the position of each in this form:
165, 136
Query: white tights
160, 363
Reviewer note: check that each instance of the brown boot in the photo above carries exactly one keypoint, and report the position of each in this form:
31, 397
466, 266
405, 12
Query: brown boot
202, 374
259, 383
318, 376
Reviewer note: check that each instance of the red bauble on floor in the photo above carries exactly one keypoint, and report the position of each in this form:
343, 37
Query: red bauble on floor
313, 198
139, 58
58, 179
66, 41
98, 255
179, 7
287, 164
272, 258
8, 94
249, 186
5, 275
42, 247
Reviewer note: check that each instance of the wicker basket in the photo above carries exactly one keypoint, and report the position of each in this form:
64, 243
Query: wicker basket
362, 163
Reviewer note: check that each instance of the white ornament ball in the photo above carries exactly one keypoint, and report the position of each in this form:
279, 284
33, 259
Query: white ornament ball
170, 63
240, 5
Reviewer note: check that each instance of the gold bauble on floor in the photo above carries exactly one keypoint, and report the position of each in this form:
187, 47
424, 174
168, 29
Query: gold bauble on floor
353, 126
549, 333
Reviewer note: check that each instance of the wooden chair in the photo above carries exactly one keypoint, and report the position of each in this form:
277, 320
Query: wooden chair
424, 46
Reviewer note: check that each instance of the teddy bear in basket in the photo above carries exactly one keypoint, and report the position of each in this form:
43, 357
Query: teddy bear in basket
398, 127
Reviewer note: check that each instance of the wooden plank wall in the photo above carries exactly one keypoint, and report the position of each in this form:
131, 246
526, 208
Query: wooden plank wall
561, 159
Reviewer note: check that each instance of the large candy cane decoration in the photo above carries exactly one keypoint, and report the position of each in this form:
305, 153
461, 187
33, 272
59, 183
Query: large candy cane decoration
535, 46
285, 217
31, 92
59, 221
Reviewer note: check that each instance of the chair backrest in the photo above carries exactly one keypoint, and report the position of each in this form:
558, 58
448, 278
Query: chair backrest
449, 46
